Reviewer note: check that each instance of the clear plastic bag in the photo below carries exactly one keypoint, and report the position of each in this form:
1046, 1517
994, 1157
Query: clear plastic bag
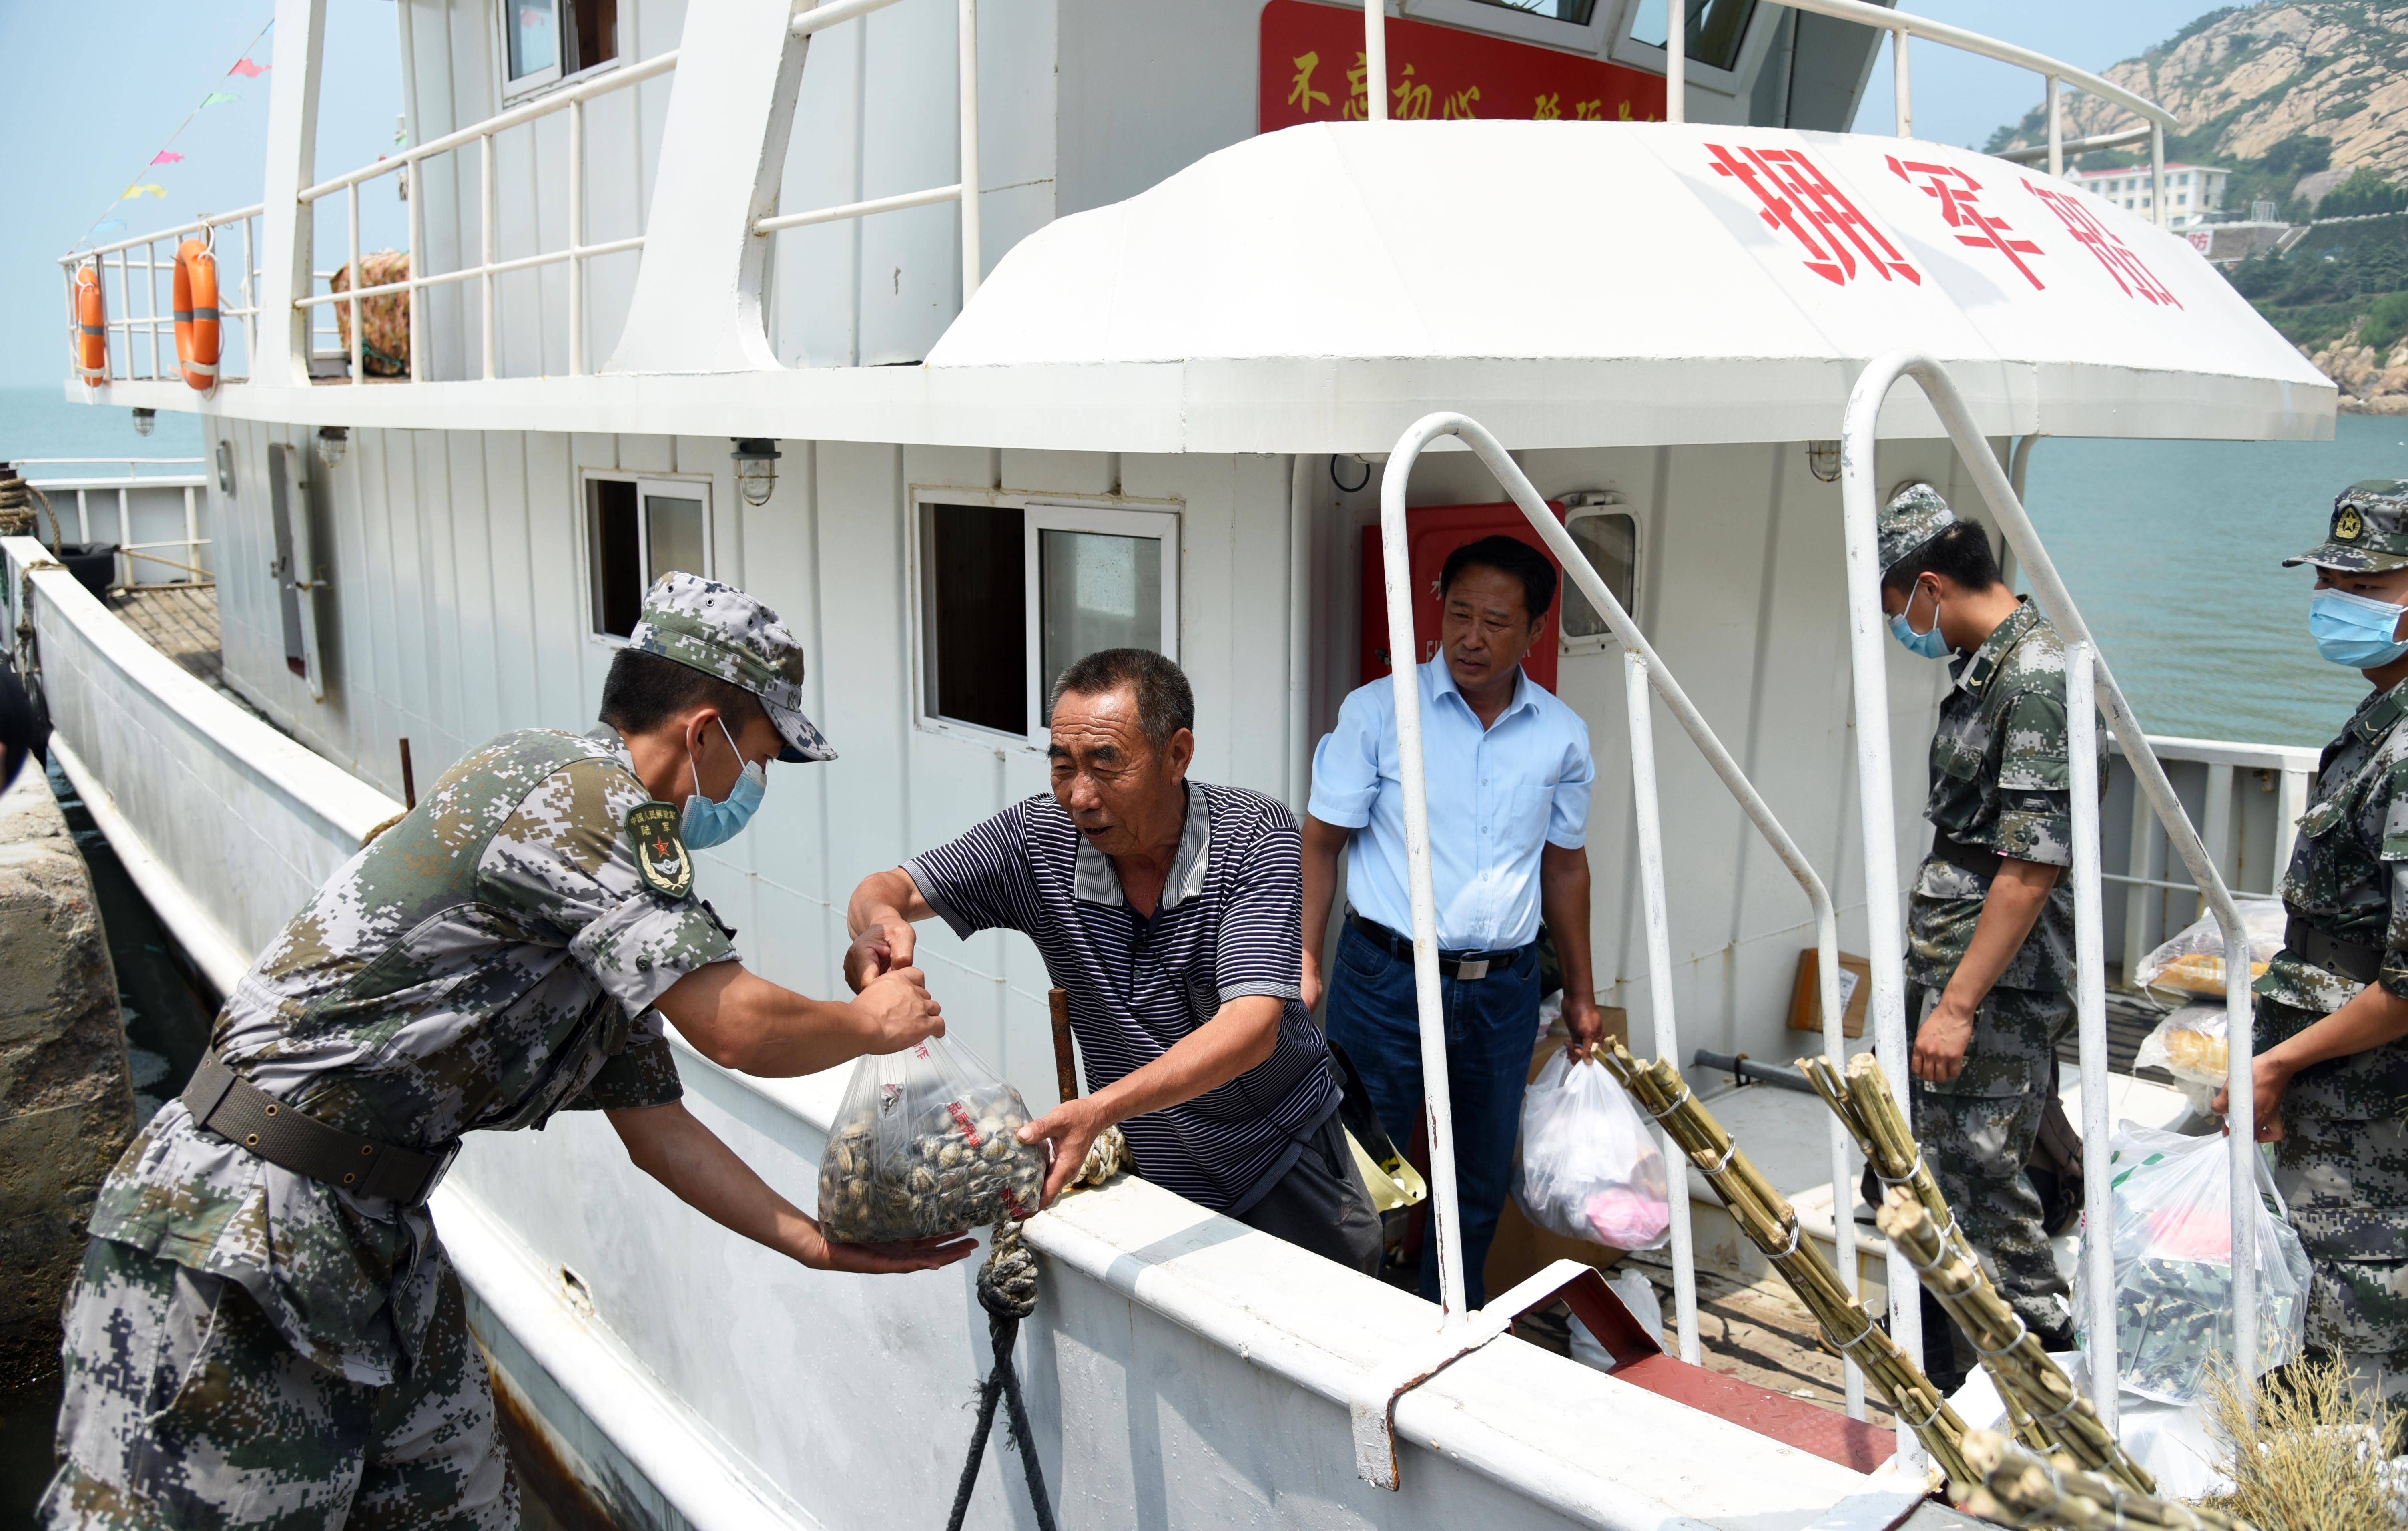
2173, 1233
2189, 1043
2193, 961
926, 1143
1590, 1168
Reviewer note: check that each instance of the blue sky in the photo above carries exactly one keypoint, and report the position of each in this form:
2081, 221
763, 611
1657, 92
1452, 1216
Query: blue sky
97, 86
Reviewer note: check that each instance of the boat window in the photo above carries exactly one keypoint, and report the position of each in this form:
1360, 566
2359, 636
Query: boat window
545, 41
1015, 592
1609, 539
1716, 28
636, 531
1575, 11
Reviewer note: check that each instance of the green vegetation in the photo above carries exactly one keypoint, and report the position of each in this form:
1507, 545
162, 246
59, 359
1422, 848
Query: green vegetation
2365, 192
2314, 295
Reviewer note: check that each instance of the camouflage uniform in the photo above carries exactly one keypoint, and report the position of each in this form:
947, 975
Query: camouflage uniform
249, 1346
2343, 1162
1999, 784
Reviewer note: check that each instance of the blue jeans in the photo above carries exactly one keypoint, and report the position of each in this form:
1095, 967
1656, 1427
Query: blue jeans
1492, 1025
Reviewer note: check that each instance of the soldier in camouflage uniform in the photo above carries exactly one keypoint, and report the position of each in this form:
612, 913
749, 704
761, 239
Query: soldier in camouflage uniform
267, 1332
1989, 921
2331, 1069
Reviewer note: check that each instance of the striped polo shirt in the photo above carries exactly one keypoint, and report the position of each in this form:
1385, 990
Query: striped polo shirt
1228, 924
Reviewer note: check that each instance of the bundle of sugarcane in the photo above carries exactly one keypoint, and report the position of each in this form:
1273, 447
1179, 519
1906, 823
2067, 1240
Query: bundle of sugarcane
2023, 1370
2020, 1487
1869, 1113
1766, 1217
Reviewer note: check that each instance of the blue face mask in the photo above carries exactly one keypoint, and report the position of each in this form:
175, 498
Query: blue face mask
2354, 630
1925, 645
707, 823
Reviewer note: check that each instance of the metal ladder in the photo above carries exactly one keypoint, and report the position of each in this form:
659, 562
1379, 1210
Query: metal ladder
2087, 677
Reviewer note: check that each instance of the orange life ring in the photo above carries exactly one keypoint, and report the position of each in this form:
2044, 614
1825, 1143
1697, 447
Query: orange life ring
196, 304
91, 328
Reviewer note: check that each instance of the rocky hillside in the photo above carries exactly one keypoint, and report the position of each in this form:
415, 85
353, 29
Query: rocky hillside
2246, 81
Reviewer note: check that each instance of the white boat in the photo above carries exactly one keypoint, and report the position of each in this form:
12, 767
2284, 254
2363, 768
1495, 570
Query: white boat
1144, 383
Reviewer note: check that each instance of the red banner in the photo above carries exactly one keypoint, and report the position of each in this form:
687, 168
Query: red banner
1312, 72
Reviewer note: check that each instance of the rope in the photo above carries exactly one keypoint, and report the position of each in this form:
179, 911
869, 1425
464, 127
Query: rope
1007, 1288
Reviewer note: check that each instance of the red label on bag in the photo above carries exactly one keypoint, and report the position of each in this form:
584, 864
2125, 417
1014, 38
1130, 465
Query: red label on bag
962, 1119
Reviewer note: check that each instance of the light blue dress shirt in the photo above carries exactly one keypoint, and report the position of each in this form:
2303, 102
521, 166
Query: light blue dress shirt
1496, 796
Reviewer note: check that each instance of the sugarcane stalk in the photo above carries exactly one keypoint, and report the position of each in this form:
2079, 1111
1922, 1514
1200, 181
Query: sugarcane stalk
2018, 1486
1766, 1216
2012, 1353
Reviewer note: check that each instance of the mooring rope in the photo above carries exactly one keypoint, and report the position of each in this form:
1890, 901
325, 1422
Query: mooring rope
1007, 1288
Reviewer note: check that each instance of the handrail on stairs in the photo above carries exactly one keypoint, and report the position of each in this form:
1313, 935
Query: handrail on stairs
1643, 668
2086, 669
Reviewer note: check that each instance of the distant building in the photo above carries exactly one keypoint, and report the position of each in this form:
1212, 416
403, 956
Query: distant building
2192, 190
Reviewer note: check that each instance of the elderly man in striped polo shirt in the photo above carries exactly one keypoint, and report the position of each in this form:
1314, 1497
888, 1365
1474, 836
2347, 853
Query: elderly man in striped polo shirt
1169, 912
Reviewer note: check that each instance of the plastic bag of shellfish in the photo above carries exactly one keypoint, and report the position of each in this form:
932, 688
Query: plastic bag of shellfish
926, 1143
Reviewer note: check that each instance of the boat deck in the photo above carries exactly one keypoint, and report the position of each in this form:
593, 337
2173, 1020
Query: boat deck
180, 621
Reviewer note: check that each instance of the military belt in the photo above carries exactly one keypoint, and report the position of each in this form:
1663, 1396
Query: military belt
1462, 966
239, 1111
2350, 959
1980, 862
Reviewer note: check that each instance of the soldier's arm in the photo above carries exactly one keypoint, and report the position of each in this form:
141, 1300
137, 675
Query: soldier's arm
2017, 897
2374, 1017
742, 1021
667, 1143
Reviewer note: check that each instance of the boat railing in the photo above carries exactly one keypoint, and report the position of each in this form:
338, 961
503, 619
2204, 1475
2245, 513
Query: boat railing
489, 265
142, 254
1644, 674
119, 491
2087, 674
964, 189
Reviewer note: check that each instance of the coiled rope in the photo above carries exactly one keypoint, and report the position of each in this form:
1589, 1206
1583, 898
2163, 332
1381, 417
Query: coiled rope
1007, 1288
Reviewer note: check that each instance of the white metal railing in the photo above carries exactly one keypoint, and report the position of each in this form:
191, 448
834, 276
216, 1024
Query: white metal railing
1901, 26
2248, 832
123, 488
238, 299
575, 253
964, 190
2086, 671
1643, 673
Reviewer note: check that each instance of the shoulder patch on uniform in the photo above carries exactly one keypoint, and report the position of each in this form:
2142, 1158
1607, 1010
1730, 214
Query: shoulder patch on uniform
661, 857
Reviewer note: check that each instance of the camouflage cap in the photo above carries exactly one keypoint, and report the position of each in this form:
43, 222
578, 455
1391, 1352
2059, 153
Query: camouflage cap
1914, 515
721, 632
2370, 529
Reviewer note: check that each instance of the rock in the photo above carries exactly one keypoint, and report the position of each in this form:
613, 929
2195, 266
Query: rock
66, 1098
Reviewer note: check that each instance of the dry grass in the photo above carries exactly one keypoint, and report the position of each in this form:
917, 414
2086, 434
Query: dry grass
2323, 1445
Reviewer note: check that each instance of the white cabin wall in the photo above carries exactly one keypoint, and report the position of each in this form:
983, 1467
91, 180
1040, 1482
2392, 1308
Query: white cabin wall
1148, 87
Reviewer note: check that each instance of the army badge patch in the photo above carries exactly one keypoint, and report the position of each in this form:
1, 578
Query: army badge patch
661, 857
2347, 526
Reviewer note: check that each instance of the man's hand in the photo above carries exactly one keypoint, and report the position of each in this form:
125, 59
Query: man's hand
1070, 1127
820, 1252
900, 1011
1312, 979
884, 946
2270, 1074
1586, 1024
1940, 1042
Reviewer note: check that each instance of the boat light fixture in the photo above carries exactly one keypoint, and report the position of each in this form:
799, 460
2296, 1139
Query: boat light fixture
225, 468
332, 441
143, 420
756, 469
1823, 460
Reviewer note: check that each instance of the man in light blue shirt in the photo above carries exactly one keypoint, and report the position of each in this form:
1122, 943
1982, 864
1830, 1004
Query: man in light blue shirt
1509, 773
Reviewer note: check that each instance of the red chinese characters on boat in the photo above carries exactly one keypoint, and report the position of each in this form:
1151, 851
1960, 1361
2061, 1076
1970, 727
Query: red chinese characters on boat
2122, 262
1799, 197
1960, 207
1312, 71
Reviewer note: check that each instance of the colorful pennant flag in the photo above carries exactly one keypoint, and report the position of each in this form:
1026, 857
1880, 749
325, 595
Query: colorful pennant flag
219, 98
108, 225
167, 157
149, 188
249, 70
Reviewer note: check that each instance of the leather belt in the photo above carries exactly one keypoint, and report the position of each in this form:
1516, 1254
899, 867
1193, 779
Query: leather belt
1980, 862
2350, 959
239, 1111
1463, 966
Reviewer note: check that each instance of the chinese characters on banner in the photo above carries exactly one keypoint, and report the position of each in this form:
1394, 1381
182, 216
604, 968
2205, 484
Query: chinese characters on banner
1798, 198
1960, 208
1312, 71
2136, 280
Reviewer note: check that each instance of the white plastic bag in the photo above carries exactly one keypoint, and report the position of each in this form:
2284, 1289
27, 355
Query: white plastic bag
2189, 1043
2193, 961
2173, 1233
1590, 1169
926, 1143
